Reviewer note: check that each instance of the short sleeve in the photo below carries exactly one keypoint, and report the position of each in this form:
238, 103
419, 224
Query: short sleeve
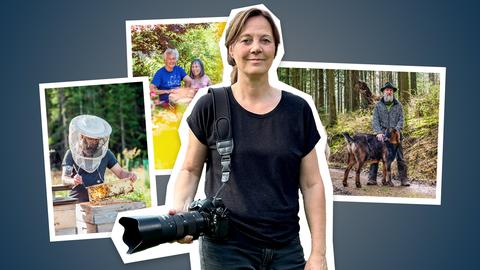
200, 119
207, 80
67, 165
156, 78
67, 159
182, 72
111, 160
310, 130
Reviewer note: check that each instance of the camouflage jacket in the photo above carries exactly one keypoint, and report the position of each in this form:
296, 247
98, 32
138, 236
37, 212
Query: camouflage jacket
383, 118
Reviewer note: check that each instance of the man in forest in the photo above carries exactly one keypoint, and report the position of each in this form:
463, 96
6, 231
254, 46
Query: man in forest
85, 162
168, 78
388, 113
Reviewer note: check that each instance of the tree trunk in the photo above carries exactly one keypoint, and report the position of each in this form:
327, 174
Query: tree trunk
389, 77
310, 82
296, 78
304, 80
321, 90
381, 78
355, 93
348, 91
122, 125
332, 110
287, 76
315, 87
63, 121
339, 95
403, 88
413, 83
431, 77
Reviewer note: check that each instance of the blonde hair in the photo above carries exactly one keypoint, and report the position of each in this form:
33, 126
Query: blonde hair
236, 27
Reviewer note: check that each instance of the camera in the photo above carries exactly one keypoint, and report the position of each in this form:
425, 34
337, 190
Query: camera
204, 217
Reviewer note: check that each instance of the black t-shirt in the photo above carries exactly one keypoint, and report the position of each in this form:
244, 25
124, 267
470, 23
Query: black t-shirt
262, 193
89, 179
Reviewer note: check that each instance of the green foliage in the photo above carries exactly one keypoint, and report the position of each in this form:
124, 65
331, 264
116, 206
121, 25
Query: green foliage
420, 135
423, 113
191, 40
137, 196
142, 187
121, 105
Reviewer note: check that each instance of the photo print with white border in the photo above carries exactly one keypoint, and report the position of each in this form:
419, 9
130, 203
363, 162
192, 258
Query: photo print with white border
346, 95
97, 151
194, 44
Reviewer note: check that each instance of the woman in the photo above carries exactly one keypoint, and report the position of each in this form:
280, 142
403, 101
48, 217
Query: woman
274, 134
168, 78
197, 73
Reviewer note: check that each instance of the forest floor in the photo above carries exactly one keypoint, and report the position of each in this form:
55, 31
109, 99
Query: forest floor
417, 189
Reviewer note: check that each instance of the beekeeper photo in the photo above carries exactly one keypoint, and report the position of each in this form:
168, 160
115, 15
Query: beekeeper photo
96, 154
87, 159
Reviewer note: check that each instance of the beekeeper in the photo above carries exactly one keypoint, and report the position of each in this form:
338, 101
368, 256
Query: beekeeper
85, 162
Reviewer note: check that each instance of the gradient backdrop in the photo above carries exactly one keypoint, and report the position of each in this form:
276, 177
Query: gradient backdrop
55, 41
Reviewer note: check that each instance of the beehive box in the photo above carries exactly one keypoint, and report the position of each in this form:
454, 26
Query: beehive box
64, 216
100, 192
100, 217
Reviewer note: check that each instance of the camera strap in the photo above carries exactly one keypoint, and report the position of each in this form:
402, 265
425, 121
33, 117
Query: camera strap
222, 129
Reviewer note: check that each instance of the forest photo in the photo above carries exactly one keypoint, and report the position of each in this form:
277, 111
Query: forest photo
195, 44
345, 100
116, 109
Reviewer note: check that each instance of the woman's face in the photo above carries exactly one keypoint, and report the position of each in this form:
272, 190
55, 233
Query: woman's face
196, 69
254, 50
170, 61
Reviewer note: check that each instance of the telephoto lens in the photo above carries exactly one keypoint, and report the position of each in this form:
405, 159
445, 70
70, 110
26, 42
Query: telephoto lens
208, 216
145, 232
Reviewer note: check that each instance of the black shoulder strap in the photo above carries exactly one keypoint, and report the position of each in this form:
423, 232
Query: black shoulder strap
222, 128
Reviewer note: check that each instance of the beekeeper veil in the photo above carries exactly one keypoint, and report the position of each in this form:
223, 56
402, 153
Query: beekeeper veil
88, 140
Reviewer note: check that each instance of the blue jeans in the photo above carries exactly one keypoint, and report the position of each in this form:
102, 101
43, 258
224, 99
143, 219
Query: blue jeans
240, 255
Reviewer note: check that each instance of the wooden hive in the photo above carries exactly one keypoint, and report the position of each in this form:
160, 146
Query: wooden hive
64, 213
100, 217
100, 192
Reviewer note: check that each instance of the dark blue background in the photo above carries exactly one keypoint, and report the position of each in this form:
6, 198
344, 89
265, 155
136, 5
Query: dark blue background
53, 41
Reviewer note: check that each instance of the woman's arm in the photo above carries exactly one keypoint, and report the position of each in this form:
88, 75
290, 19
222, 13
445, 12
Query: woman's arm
311, 185
189, 175
188, 81
154, 89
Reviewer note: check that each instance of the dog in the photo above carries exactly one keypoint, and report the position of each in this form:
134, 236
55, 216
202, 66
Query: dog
366, 148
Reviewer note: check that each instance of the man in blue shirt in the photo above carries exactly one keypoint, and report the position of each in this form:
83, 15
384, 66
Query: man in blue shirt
169, 77
88, 158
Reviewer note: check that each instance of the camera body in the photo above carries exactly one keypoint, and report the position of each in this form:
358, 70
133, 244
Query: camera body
204, 217
215, 214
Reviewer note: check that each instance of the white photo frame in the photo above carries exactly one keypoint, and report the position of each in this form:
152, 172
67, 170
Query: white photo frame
393, 68
43, 87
